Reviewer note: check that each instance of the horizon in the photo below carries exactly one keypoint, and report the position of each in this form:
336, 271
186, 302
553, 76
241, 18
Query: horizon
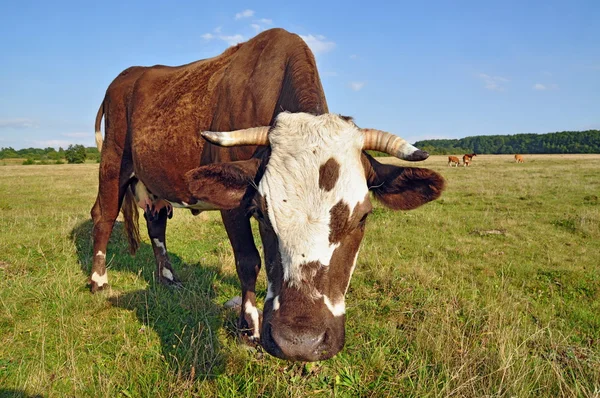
420, 71
413, 143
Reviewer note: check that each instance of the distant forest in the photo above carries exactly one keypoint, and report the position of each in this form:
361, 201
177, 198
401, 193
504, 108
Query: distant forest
561, 142
50, 155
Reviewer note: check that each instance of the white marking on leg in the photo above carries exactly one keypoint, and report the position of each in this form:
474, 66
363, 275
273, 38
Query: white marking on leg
100, 254
167, 273
158, 243
336, 309
100, 280
276, 303
251, 310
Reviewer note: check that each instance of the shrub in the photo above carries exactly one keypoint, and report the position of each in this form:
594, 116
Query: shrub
75, 154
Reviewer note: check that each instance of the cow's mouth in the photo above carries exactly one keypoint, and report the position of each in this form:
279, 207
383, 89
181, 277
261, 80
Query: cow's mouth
285, 343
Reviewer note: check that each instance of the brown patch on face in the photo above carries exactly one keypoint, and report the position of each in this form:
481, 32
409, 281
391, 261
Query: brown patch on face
339, 215
329, 173
341, 222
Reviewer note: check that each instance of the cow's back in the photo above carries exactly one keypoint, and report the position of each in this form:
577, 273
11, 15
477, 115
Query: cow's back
243, 87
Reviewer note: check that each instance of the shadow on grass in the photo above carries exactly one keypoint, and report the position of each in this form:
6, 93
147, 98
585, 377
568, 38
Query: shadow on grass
186, 319
9, 393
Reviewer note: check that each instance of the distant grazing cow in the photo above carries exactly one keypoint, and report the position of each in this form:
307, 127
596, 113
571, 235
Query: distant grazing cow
303, 174
519, 159
468, 158
453, 161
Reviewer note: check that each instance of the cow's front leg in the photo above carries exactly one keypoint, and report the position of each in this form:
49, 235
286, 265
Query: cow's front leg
157, 227
247, 264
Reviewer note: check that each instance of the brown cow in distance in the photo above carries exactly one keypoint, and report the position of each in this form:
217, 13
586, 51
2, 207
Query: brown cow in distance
519, 159
468, 158
453, 161
248, 133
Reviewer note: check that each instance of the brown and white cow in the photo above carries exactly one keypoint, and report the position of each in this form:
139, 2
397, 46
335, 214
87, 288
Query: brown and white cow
453, 161
303, 174
519, 159
468, 158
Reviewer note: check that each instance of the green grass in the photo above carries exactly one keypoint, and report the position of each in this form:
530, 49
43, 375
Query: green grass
493, 290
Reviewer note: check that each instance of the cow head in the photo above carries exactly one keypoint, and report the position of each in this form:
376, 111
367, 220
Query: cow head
310, 194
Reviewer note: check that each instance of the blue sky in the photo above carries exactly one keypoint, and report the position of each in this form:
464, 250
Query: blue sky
446, 69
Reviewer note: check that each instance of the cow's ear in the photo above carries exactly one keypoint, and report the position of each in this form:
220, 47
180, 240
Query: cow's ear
402, 188
224, 185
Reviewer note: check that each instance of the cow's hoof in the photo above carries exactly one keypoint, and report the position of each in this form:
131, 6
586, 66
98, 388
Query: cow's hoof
94, 287
169, 279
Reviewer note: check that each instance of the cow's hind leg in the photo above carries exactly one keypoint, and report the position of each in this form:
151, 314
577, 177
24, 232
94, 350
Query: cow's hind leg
157, 226
247, 264
111, 190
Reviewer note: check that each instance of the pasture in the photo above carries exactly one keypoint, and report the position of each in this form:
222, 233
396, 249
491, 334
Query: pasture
492, 290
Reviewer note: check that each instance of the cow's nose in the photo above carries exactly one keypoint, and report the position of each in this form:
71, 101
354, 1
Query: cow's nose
305, 345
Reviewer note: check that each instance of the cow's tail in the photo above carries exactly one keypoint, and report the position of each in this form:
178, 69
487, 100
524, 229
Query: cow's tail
97, 126
131, 219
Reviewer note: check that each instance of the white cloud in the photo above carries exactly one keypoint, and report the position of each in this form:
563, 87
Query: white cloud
217, 30
18, 123
233, 39
54, 143
208, 36
357, 86
256, 27
354, 56
494, 83
77, 135
318, 44
543, 87
244, 14
264, 21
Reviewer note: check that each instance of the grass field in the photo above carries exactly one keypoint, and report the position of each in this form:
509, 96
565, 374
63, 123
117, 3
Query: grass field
493, 290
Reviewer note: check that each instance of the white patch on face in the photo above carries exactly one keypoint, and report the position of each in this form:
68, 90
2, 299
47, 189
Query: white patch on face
167, 273
251, 310
100, 280
336, 309
100, 254
276, 303
158, 243
298, 209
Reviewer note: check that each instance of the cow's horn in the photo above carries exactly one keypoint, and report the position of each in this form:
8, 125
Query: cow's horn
251, 136
377, 140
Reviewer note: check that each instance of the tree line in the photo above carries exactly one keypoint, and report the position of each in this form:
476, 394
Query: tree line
73, 154
560, 142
